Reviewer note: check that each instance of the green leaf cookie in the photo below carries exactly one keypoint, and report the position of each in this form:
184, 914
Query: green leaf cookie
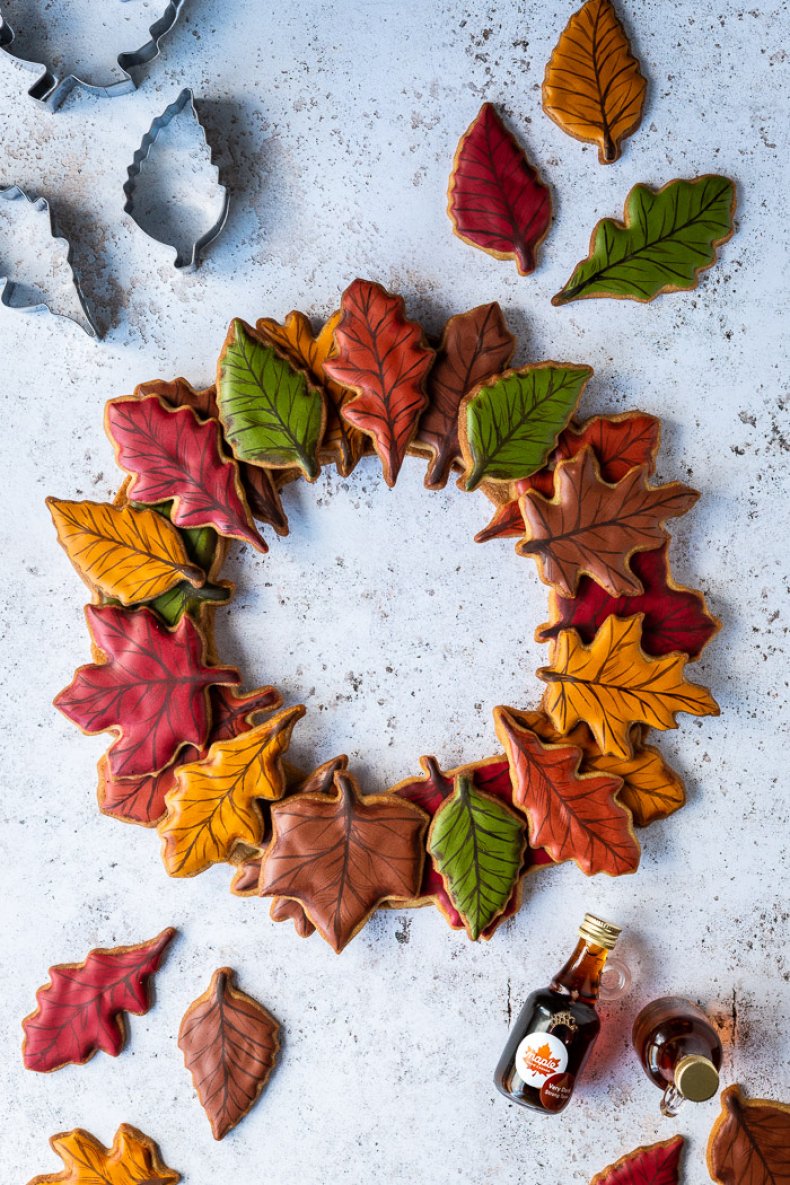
477, 844
668, 236
271, 414
508, 427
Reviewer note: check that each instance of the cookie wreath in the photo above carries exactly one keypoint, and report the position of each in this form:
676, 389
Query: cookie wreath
207, 764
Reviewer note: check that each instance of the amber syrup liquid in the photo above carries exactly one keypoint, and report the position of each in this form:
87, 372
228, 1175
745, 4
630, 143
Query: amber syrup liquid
553, 1035
668, 1030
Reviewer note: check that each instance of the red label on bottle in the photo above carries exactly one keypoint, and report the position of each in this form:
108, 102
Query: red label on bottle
555, 1091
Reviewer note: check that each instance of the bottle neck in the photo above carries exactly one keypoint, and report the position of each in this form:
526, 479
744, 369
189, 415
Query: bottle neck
580, 978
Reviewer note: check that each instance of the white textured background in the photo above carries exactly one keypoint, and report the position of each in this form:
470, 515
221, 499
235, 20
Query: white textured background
337, 127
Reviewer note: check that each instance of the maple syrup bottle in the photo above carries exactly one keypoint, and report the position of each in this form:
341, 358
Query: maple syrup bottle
680, 1051
556, 1028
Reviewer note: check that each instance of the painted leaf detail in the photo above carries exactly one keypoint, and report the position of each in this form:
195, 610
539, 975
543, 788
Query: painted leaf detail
593, 88
478, 845
675, 618
573, 815
285, 909
612, 684
133, 1159
667, 237
496, 199
474, 346
619, 442
80, 1010
655, 1164
341, 442
246, 877
129, 554
382, 357
271, 413
152, 689
593, 528
651, 789
173, 455
750, 1141
142, 799
206, 549
214, 804
260, 491
230, 1044
342, 855
508, 427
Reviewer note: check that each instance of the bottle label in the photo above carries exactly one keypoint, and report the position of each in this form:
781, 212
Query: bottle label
540, 1056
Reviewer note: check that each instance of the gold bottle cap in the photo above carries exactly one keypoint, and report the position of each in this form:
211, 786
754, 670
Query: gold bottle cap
598, 932
696, 1078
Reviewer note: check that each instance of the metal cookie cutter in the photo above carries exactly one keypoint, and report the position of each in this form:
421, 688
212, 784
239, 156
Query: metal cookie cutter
51, 90
189, 258
10, 287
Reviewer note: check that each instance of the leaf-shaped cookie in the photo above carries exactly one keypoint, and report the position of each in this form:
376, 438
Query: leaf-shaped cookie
592, 528
129, 554
592, 87
750, 1141
675, 618
230, 1044
667, 237
206, 549
619, 442
474, 346
173, 455
383, 358
342, 855
341, 442
573, 815
142, 799
214, 804
271, 413
478, 846
651, 789
152, 689
612, 684
508, 427
133, 1159
653, 1164
80, 1010
286, 909
259, 489
496, 199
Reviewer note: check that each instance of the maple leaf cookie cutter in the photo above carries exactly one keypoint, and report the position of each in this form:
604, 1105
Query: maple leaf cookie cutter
52, 90
184, 261
9, 286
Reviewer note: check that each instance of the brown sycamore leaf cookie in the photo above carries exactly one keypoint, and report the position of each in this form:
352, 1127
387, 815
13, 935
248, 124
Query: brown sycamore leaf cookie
750, 1141
230, 1044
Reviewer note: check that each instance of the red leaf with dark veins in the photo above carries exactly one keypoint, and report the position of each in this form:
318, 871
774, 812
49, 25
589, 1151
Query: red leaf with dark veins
152, 689
675, 617
174, 455
382, 356
233, 713
656, 1164
497, 201
79, 1011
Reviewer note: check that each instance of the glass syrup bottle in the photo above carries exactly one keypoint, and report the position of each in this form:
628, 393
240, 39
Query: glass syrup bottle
557, 1027
680, 1051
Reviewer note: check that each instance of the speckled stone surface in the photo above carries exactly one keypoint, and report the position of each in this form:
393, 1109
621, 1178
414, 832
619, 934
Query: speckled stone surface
336, 128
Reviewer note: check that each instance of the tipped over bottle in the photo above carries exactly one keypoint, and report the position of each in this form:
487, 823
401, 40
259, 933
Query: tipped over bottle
680, 1051
557, 1027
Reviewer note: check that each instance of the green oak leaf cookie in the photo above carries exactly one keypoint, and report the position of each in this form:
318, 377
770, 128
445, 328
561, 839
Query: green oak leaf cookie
509, 426
667, 237
271, 414
477, 844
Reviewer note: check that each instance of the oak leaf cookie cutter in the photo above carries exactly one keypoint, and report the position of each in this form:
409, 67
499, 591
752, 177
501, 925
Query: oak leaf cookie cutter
190, 259
8, 286
52, 91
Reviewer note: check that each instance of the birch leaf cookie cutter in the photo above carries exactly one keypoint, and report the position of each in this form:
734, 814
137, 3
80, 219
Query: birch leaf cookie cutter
20, 292
159, 214
52, 90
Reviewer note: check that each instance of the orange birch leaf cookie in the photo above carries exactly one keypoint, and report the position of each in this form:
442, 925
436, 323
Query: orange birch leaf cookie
133, 1159
230, 1044
593, 88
